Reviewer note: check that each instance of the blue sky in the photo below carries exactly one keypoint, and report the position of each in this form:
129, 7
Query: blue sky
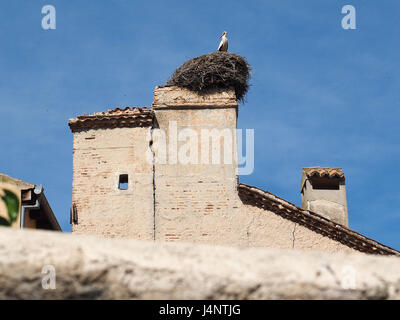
319, 95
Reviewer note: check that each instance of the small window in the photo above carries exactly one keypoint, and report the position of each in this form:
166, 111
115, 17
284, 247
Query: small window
123, 182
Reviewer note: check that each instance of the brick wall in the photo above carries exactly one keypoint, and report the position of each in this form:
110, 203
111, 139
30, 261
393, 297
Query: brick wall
100, 156
197, 201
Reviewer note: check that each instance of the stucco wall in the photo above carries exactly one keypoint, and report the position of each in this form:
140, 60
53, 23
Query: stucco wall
267, 229
100, 156
331, 204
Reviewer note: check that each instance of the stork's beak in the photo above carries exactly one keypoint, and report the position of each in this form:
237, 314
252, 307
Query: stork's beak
221, 35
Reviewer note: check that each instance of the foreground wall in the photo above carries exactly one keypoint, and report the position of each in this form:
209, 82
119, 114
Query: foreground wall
94, 268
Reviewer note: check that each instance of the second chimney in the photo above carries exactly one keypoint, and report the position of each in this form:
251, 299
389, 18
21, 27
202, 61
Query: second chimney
323, 191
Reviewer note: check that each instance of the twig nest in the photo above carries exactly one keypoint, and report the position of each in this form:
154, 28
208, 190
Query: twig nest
214, 71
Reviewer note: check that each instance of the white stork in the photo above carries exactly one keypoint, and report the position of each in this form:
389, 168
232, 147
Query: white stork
223, 45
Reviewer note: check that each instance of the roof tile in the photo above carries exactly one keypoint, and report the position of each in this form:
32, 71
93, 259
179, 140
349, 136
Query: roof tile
113, 118
323, 172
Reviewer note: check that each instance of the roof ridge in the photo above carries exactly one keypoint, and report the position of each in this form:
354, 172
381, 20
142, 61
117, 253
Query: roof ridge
315, 222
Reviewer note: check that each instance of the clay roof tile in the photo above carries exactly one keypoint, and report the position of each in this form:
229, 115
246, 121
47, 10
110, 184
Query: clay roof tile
114, 118
323, 172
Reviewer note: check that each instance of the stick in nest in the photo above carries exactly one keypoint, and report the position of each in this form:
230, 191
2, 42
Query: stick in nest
214, 71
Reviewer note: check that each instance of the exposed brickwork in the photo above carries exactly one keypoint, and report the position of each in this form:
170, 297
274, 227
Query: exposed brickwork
196, 202
100, 156
166, 97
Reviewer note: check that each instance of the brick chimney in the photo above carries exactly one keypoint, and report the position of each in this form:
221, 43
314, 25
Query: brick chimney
196, 196
323, 191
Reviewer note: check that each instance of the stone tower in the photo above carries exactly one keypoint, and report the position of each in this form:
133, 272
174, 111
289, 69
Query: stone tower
196, 196
112, 179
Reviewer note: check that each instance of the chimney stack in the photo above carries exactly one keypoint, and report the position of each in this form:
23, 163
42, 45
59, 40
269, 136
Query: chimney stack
323, 191
196, 198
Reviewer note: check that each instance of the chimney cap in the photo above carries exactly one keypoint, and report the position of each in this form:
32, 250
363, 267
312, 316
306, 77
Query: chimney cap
325, 172
173, 97
321, 172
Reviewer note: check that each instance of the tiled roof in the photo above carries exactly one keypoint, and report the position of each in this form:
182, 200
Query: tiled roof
313, 221
113, 118
323, 172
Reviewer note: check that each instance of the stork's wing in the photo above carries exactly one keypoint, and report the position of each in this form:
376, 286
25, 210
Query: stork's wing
220, 45
223, 46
